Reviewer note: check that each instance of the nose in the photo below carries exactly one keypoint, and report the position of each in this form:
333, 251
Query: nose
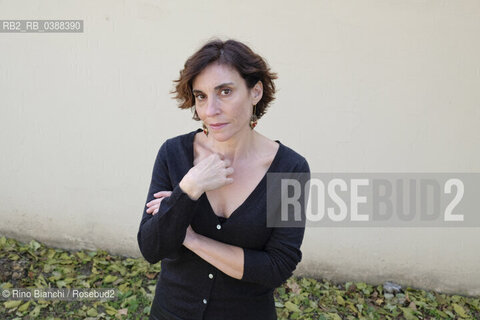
213, 107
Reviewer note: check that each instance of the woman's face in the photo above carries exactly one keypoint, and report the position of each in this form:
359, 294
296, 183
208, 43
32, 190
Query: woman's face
223, 101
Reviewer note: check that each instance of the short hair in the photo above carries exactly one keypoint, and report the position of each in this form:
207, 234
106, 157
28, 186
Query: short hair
251, 67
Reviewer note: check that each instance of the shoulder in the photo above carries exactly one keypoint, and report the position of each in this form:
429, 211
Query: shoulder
179, 142
291, 160
286, 159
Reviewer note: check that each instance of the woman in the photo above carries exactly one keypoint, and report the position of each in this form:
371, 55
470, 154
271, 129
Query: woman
205, 216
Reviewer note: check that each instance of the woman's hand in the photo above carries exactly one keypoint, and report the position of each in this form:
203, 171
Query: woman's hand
155, 204
189, 237
209, 174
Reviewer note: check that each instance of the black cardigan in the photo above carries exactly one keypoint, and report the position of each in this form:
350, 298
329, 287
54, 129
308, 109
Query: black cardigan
188, 286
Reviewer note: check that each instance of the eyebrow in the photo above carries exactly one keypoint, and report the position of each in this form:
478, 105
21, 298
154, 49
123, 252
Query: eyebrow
217, 87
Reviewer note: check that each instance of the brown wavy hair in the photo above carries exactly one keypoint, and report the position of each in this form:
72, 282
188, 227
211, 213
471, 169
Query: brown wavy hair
249, 65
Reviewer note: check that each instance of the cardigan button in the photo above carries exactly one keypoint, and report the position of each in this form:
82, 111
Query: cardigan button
205, 301
219, 227
210, 276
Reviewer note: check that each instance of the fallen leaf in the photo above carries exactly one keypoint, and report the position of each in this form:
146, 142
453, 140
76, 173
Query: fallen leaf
24, 307
123, 311
459, 310
293, 285
291, 306
109, 279
12, 304
92, 312
151, 275
408, 314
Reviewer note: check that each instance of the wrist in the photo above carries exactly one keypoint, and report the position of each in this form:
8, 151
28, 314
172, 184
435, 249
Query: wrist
191, 240
190, 188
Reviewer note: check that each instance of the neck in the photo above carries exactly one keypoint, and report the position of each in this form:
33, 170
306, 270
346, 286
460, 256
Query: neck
237, 147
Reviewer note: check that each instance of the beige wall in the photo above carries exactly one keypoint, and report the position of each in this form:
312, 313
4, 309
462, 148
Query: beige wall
365, 86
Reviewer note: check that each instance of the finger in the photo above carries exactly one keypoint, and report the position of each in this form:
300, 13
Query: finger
228, 180
162, 194
219, 155
229, 171
154, 201
227, 163
155, 212
153, 208
154, 204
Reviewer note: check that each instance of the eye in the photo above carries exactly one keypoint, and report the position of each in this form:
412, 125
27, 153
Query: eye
199, 97
226, 91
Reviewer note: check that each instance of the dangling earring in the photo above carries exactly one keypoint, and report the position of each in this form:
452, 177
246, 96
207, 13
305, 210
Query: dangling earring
205, 129
195, 115
254, 118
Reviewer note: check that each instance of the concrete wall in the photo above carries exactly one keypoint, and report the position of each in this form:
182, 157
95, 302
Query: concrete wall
365, 86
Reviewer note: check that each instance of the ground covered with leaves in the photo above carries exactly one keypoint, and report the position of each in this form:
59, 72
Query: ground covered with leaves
34, 265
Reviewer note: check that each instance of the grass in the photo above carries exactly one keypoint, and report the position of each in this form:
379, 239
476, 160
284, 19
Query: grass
34, 265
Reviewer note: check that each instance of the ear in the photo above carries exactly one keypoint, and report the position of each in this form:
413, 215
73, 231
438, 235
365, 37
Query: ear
257, 92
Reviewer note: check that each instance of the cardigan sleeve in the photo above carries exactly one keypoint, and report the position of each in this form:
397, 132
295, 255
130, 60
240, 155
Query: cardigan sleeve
273, 265
162, 234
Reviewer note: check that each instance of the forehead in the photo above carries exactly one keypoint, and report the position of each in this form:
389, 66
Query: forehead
215, 74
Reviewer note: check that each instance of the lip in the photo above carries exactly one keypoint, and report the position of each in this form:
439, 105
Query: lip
217, 126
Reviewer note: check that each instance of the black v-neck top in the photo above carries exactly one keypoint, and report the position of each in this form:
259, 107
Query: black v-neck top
189, 288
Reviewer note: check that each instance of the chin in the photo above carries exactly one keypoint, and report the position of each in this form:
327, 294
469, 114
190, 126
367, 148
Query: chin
221, 136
